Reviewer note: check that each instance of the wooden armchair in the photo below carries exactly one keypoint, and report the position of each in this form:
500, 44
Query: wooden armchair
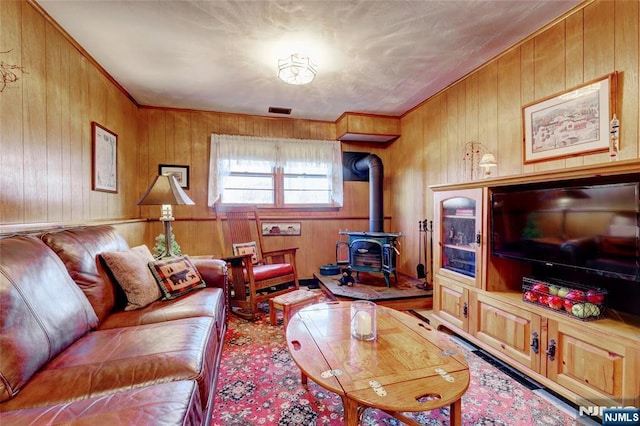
256, 275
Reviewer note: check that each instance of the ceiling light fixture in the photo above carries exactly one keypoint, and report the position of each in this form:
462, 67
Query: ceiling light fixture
296, 69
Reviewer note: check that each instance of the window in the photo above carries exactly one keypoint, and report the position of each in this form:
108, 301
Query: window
252, 183
306, 183
275, 172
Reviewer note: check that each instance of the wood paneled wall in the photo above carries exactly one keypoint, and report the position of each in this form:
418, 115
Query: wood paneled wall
45, 127
183, 137
45, 149
593, 41
45, 133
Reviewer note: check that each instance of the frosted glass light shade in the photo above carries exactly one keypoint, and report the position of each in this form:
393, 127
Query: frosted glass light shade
296, 69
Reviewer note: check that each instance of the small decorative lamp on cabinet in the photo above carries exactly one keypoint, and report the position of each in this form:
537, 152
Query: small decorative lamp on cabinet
487, 162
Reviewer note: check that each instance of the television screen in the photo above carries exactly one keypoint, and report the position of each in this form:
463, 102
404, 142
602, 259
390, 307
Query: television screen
594, 228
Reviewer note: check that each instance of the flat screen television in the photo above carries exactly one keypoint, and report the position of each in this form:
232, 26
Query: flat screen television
591, 227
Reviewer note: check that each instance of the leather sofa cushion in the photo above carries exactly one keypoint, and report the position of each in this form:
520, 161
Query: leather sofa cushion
174, 403
42, 312
79, 249
207, 302
121, 359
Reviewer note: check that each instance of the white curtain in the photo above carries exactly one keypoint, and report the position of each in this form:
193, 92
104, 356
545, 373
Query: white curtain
277, 151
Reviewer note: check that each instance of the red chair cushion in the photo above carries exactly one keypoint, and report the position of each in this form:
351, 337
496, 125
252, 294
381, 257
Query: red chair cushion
265, 272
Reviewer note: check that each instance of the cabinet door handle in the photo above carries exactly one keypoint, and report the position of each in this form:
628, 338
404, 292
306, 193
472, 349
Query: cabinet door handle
551, 352
465, 309
535, 344
478, 238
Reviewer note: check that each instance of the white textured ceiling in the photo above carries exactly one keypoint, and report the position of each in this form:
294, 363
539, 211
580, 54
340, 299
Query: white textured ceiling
378, 57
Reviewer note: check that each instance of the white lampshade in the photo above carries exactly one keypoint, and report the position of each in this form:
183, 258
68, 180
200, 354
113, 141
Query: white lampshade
488, 160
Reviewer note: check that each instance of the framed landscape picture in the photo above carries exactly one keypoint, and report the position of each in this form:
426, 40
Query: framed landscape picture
280, 228
574, 122
181, 173
104, 159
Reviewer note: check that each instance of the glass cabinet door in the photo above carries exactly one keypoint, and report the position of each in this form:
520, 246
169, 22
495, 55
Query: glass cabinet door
458, 234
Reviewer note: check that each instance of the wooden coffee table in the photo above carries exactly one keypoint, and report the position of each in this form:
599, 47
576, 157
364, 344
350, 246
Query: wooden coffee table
410, 367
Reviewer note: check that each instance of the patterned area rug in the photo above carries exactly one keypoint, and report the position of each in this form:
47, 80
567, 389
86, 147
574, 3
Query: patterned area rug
259, 384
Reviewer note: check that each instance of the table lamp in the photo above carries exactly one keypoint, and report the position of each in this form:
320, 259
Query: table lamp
487, 162
165, 191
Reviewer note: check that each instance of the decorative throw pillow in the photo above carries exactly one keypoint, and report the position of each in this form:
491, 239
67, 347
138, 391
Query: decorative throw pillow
176, 276
251, 248
130, 269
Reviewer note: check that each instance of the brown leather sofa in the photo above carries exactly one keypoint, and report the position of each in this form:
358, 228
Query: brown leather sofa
70, 354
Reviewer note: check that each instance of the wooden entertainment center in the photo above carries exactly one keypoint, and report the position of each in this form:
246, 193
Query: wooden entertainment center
479, 297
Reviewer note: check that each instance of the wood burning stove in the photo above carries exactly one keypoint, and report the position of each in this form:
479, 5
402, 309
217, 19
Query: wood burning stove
373, 252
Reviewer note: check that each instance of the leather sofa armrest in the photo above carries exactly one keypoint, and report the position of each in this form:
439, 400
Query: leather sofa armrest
215, 274
213, 271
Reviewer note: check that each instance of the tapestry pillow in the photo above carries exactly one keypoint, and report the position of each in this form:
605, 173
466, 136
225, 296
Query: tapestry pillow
251, 248
130, 269
176, 276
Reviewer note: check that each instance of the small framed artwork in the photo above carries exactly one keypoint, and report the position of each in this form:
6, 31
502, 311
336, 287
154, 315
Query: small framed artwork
181, 173
570, 123
280, 228
104, 151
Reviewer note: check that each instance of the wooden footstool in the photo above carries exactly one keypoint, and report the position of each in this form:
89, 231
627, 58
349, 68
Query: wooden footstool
290, 303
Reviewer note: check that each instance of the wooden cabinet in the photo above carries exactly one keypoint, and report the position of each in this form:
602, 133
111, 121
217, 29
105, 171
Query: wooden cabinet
458, 235
451, 302
592, 364
600, 367
478, 296
515, 332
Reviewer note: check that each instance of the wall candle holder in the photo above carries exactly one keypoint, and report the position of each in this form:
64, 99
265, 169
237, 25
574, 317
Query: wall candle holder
614, 148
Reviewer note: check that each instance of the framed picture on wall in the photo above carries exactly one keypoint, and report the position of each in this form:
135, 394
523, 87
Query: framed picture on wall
570, 123
181, 173
280, 228
104, 159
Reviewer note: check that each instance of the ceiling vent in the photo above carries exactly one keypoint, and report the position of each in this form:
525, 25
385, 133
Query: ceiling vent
278, 110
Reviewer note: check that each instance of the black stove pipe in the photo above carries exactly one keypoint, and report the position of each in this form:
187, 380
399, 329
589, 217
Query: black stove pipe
373, 164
